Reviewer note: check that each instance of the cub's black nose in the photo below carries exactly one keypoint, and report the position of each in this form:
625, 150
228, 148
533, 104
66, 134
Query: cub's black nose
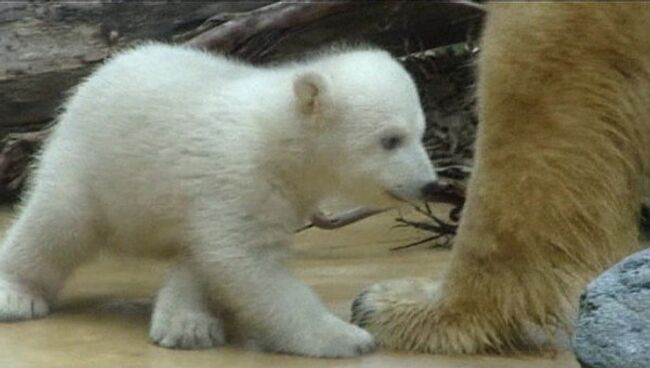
433, 189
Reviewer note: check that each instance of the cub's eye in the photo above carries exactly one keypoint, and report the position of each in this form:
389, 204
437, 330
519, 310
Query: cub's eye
391, 142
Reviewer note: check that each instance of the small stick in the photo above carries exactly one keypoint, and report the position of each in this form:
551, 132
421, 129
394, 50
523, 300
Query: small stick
343, 219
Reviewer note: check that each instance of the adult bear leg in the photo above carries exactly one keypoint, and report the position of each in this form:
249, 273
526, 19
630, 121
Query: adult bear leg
561, 159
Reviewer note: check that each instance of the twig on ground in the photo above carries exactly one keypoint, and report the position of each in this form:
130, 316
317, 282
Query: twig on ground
343, 219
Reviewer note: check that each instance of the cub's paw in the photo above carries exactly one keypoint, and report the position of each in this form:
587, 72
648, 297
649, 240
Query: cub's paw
18, 303
187, 331
347, 341
328, 338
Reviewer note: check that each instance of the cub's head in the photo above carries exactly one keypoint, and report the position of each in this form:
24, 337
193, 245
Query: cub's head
365, 111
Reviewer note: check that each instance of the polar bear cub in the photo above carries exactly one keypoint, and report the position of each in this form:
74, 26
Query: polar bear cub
171, 148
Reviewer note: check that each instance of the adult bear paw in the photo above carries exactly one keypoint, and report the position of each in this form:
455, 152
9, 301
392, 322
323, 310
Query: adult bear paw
413, 315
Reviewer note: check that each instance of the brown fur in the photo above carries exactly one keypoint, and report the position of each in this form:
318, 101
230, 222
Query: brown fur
563, 153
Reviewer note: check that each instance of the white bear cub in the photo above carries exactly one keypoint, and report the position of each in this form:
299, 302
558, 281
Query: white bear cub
171, 148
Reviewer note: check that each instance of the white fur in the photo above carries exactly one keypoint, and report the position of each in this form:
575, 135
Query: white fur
166, 147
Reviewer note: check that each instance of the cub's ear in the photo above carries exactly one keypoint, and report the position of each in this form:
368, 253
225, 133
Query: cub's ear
312, 92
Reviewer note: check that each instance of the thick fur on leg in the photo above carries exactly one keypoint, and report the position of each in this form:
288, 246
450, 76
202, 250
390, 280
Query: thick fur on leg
42, 248
182, 317
247, 276
417, 315
561, 166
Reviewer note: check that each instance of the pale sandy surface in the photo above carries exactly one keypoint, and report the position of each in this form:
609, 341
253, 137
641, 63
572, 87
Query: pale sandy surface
102, 318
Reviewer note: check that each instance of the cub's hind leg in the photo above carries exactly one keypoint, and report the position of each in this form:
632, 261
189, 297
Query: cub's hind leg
54, 233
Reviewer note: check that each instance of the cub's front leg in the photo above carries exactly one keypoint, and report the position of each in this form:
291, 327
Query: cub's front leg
182, 317
247, 276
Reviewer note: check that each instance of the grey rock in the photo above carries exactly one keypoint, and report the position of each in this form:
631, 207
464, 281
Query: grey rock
613, 326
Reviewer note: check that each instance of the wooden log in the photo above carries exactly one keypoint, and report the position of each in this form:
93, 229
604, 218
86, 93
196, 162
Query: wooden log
49, 46
287, 28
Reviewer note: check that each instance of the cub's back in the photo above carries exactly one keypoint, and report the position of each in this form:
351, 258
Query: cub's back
137, 135
146, 104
